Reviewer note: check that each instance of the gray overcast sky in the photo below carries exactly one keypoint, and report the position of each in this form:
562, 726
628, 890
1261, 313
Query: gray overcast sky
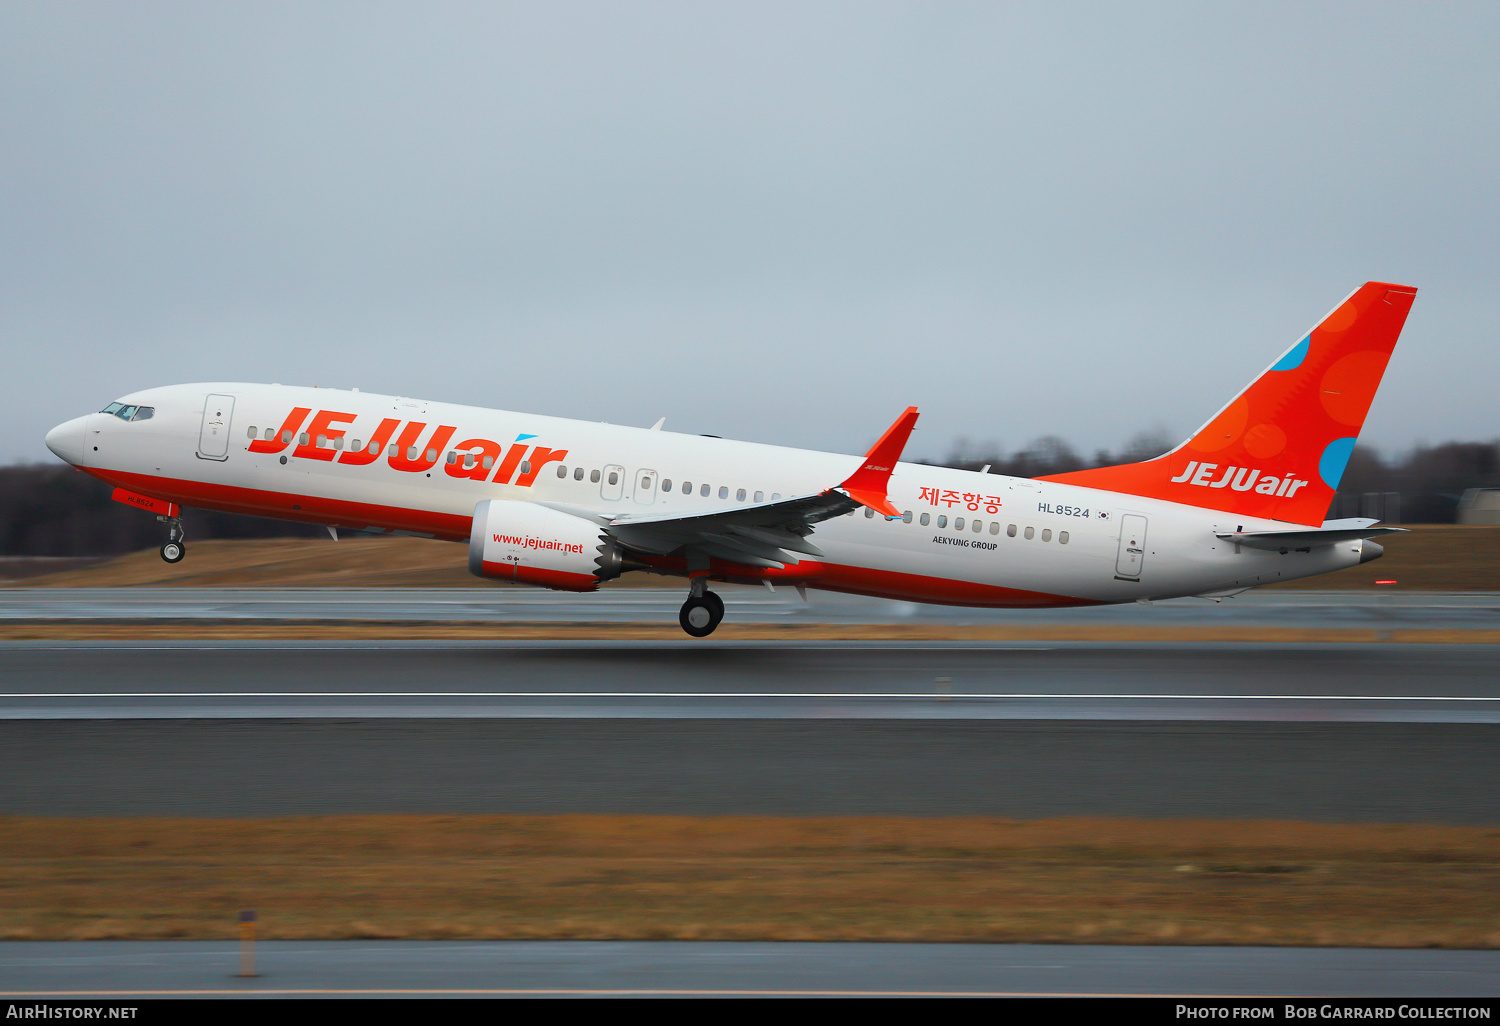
766, 221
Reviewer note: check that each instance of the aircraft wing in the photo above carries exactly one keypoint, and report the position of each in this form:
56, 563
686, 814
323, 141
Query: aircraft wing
767, 534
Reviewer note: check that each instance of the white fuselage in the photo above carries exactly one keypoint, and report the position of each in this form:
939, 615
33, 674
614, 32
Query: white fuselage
988, 539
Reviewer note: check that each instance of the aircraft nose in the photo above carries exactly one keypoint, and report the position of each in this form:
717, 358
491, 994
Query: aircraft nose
67, 439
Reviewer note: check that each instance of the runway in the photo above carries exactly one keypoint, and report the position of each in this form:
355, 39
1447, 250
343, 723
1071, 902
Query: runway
1331, 733
1455, 610
691, 679
583, 968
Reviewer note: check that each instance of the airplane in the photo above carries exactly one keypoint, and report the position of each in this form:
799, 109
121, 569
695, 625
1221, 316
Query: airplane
568, 504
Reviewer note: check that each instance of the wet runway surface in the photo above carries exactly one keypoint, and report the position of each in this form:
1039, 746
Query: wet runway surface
1320, 772
1393, 733
757, 680
520, 968
1457, 610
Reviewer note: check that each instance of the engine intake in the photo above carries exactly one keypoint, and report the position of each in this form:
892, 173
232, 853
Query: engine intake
531, 544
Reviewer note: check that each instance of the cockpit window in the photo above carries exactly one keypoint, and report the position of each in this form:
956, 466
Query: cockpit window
130, 412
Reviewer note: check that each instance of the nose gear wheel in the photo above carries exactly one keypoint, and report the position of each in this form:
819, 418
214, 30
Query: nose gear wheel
173, 549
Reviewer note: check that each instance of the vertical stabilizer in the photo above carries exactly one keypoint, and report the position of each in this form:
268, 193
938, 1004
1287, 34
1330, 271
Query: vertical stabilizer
1279, 448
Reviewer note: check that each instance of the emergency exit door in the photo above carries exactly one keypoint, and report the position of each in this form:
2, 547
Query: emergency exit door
645, 487
612, 485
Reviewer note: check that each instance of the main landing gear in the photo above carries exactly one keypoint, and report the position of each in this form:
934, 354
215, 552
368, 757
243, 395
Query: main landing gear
173, 549
703, 611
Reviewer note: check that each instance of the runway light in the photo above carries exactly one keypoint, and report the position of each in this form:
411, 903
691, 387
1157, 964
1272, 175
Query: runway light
247, 943
1385, 582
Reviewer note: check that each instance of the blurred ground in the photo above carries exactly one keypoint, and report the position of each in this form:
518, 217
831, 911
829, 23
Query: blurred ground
1430, 558
753, 878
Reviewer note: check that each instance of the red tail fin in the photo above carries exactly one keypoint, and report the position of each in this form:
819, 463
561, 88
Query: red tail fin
1279, 448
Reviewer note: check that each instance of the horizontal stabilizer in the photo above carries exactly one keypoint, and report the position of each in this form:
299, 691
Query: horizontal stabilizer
1331, 533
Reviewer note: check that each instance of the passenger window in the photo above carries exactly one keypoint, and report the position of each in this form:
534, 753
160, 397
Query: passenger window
1010, 532
356, 445
251, 435
431, 455
958, 523
614, 476
994, 527
760, 496
452, 456
703, 491
978, 525
593, 477
645, 484
1046, 534
687, 488
869, 512
666, 484
723, 491
1030, 533
270, 433
942, 521
577, 473
739, 496
1062, 537
303, 439
562, 471
489, 461
286, 438
926, 519
338, 443
906, 517
775, 496
322, 441
394, 451
374, 449
469, 459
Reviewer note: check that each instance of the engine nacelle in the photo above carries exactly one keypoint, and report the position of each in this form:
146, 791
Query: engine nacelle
531, 544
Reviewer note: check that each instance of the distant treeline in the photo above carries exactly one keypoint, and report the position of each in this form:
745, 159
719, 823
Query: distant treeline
57, 511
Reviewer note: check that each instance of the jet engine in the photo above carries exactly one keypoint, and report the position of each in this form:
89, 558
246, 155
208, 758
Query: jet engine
532, 544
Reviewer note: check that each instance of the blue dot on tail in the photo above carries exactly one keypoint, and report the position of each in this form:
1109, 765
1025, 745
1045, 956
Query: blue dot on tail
1294, 356
1333, 461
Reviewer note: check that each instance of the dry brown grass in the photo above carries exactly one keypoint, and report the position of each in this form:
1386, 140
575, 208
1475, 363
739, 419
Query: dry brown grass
1430, 558
743, 878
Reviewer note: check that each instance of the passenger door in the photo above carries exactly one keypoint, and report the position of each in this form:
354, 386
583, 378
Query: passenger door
1132, 547
213, 436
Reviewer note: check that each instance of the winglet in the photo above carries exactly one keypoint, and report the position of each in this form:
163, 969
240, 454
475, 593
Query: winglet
867, 485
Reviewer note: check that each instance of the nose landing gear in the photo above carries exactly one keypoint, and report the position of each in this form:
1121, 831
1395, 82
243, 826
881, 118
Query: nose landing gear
703, 611
173, 549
